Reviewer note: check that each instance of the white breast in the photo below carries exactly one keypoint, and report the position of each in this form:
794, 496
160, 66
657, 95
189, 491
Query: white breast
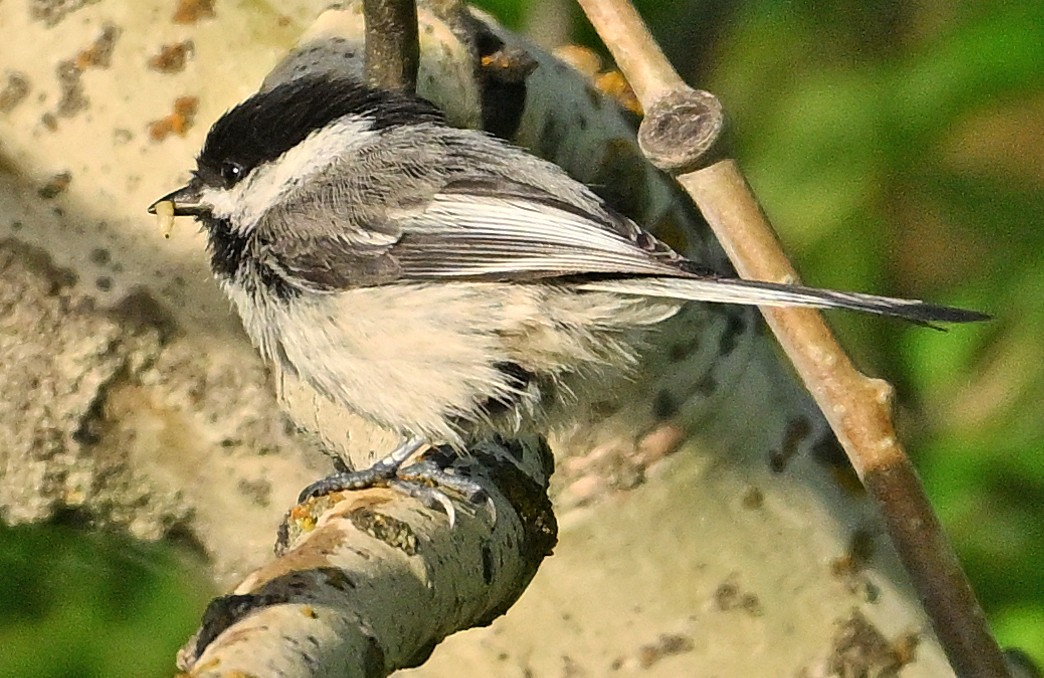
420, 358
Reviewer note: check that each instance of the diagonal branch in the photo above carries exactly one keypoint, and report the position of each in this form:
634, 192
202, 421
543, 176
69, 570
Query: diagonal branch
680, 134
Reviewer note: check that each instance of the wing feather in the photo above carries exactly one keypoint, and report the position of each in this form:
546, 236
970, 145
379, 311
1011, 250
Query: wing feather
507, 237
498, 229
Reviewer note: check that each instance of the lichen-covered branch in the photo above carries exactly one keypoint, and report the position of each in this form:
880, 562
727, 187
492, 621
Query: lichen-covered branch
371, 581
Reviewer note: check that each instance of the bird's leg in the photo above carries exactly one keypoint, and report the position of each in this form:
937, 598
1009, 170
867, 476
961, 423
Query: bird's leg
382, 471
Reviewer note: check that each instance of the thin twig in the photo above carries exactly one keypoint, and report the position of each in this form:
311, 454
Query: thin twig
635, 51
678, 135
392, 47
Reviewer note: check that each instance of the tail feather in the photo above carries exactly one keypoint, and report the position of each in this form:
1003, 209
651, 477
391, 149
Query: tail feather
755, 292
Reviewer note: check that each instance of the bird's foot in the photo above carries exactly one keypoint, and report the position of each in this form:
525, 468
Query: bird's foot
426, 480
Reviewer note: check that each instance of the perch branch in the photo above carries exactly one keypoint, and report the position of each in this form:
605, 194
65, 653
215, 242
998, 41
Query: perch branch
680, 134
370, 581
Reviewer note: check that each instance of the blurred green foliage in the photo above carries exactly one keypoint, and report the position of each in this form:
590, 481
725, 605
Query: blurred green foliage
77, 603
898, 148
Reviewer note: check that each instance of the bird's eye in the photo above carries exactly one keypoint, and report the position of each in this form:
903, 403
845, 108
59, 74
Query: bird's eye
231, 172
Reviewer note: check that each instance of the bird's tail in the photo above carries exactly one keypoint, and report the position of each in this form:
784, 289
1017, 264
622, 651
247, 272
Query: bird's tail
754, 292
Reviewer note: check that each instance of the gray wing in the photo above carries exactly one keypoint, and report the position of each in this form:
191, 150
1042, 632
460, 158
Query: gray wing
497, 229
470, 229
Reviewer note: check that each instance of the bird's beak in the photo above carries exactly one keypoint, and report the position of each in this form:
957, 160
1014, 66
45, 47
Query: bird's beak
187, 200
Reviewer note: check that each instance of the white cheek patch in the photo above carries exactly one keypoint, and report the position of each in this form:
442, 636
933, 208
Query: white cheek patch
222, 203
270, 183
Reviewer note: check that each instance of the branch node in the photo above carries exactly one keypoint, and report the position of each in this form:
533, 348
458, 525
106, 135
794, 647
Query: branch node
682, 130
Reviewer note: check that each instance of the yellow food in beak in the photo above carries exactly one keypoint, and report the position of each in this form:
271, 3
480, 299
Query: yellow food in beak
165, 213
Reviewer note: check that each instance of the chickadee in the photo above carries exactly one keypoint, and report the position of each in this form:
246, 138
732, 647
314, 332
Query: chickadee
437, 281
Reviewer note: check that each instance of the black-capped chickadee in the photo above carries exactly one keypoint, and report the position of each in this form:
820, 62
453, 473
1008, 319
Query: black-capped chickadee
437, 281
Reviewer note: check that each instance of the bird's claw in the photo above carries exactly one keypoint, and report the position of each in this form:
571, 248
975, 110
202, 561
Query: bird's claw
429, 482
429, 496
